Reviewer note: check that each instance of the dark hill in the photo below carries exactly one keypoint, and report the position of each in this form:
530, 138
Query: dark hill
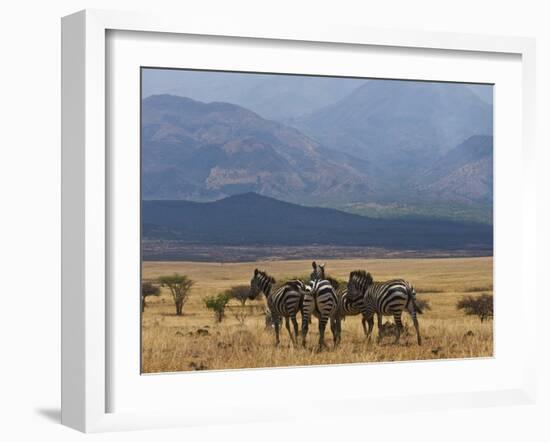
251, 219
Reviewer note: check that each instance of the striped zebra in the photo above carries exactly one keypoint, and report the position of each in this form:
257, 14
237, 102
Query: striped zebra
321, 301
285, 301
387, 298
346, 305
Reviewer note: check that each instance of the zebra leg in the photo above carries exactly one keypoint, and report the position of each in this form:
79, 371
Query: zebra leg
277, 324
334, 330
305, 327
322, 325
379, 320
295, 324
287, 325
398, 326
370, 322
412, 312
417, 328
364, 323
339, 327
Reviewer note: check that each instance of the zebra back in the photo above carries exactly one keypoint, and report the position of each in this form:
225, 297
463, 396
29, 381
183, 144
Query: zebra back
321, 298
390, 297
284, 301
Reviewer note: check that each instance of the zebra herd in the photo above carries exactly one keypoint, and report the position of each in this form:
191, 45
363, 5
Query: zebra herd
324, 299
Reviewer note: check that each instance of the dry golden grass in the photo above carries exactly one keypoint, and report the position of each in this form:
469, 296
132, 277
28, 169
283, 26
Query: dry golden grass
172, 343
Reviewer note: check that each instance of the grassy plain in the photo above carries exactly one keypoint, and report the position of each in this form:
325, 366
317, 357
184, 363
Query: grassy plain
195, 342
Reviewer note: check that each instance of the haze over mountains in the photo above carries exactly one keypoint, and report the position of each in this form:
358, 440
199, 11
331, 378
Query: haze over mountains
275, 97
377, 143
400, 125
198, 151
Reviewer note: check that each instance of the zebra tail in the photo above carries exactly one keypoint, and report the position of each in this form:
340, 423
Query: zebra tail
412, 299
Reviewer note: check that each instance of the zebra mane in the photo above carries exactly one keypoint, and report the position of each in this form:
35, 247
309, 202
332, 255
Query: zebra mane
362, 275
264, 275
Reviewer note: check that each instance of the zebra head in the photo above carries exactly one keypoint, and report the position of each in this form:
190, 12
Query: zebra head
318, 272
359, 280
260, 282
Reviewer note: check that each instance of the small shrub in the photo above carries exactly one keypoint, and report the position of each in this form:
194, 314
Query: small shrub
148, 289
481, 306
217, 304
240, 293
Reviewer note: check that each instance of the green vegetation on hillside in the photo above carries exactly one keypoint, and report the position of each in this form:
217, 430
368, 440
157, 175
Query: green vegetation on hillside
468, 214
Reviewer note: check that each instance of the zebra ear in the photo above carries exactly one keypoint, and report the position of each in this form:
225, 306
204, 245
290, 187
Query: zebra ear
314, 264
255, 272
322, 266
273, 280
369, 278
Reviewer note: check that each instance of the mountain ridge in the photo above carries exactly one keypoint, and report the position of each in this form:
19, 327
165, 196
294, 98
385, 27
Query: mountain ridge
207, 151
400, 122
210, 150
252, 219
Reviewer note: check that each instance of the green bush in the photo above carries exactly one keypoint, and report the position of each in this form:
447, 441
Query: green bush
218, 303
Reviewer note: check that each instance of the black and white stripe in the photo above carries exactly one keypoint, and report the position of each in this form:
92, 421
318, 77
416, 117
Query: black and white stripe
318, 272
321, 301
283, 302
387, 298
346, 305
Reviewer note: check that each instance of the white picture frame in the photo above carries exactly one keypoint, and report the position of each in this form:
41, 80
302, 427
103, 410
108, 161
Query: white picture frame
86, 210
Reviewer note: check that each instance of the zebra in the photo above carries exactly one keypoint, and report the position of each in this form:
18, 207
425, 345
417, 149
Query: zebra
286, 301
321, 301
387, 298
318, 271
346, 305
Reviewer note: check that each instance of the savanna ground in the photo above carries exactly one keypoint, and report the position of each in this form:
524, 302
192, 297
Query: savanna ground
195, 341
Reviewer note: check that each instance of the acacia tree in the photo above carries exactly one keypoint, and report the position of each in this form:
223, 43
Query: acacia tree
148, 289
481, 306
180, 287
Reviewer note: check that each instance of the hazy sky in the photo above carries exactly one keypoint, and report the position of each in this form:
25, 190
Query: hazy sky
272, 96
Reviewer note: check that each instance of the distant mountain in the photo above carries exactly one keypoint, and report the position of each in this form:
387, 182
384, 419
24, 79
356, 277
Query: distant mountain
275, 97
205, 151
251, 219
463, 175
400, 125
